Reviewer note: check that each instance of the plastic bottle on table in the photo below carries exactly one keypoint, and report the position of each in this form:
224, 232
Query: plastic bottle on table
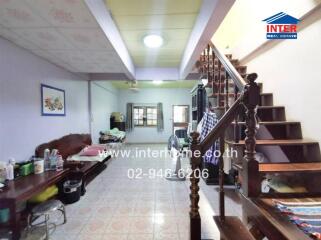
10, 169
46, 157
60, 163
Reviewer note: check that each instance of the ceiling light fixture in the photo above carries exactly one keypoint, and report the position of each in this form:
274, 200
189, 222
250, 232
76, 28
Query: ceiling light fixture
153, 41
157, 82
204, 81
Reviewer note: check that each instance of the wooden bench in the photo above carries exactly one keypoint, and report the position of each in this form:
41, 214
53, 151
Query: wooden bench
70, 145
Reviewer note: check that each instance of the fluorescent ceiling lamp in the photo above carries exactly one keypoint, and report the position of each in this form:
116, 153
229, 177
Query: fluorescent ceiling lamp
157, 82
153, 41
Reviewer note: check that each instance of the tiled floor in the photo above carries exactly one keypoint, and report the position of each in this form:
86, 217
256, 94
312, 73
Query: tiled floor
116, 207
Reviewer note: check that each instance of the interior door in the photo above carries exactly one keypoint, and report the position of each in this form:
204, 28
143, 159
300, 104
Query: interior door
180, 117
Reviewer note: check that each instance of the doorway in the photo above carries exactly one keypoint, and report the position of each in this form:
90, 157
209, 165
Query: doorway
180, 117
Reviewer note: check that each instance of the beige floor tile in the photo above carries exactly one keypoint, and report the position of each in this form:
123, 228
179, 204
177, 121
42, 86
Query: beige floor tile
140, 237
96, 225
118, 225
165, 225
141, 225
169, 236
114, 237
89, 236
118, 208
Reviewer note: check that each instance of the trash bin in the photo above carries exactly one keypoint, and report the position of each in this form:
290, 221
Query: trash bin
71, 191
4, 215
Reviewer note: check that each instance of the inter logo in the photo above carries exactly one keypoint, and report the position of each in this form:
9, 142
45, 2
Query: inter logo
281, 26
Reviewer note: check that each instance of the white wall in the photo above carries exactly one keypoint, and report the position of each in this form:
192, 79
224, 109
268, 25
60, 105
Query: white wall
104, 101
243, 29
168, 97
291, 70
22, 126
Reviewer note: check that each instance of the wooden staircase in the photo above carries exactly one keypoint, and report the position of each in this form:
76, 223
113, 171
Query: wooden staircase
247, 128
274, 130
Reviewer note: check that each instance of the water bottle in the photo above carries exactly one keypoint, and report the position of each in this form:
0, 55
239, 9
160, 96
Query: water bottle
10, 169
60, 163
53, 159
46, 157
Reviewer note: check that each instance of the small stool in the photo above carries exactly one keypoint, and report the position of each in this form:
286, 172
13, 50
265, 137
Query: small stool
44, 209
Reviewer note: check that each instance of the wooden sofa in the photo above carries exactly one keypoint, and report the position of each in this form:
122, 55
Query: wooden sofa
72, 144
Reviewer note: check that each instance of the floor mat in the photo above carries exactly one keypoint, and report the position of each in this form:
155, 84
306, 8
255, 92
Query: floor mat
307, 216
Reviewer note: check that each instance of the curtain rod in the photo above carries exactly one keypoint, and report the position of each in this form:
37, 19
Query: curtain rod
145, 103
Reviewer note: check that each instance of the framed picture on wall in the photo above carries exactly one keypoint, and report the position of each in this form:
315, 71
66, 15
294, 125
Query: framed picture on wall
53, 101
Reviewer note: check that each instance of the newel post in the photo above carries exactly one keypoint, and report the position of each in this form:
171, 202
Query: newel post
195, 219
251, 181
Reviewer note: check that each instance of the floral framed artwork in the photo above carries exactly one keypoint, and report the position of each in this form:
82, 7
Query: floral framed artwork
53, 101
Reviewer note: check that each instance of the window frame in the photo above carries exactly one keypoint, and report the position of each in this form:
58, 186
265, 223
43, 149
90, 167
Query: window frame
138, 119
146, 116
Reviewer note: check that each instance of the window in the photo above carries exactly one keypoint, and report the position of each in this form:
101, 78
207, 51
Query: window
145, 116
151, 116
139, 116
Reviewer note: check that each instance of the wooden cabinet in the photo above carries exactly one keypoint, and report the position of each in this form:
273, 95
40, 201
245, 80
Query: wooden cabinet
198, 104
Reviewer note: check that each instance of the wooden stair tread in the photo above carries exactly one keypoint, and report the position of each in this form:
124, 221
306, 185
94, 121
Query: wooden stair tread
233, 229
222, 94
267, 107
272, 122
279, 221
259, 107
289, 167
286, 142
210, 84
285, 167
232, 94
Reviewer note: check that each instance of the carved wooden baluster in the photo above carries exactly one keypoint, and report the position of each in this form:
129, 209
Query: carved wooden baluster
219, 85
213, 74
221, 178
204, 62
210, 67
195, 219
208, 62
226, 91
213, 65
236, 126
251, 98
199, 65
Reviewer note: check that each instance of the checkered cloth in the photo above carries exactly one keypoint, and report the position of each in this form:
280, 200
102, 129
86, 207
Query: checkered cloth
208, 123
